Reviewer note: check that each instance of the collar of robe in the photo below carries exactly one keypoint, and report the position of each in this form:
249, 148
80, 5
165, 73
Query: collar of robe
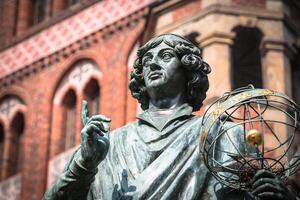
181, 111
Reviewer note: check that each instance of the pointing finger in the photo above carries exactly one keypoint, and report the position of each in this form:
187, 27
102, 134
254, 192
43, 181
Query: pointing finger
84, 113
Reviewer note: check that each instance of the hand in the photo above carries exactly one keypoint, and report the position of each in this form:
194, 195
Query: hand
267, 185
94, 138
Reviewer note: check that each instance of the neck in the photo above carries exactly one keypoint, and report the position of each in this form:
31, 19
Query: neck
167, 102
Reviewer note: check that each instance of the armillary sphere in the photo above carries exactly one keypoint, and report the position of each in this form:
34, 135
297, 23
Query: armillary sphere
247, 130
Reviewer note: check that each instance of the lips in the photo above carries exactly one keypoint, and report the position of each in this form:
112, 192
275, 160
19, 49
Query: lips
154, 75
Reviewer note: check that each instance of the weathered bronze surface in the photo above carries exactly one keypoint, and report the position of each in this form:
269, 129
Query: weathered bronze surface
156, 157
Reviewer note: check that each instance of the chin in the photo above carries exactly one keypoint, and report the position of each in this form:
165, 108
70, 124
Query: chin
156, 83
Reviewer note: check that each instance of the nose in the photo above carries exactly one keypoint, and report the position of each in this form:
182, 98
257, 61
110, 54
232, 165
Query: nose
154, 66
154, 63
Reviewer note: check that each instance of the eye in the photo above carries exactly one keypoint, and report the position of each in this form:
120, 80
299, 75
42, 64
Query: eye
146, 60
167, 56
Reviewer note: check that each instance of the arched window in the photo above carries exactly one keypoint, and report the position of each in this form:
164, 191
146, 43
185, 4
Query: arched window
246, 58
12, 110
15, 147
92, 95
69, 118
78, 83
1, 147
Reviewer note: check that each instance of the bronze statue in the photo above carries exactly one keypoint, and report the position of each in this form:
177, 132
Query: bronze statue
156, 157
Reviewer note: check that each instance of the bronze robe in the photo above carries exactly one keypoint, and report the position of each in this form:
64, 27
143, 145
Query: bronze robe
147, 162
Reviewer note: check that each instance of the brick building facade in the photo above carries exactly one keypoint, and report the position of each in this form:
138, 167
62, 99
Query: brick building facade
54, 54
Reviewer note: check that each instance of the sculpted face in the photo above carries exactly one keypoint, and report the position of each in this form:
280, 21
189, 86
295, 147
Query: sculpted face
162, 68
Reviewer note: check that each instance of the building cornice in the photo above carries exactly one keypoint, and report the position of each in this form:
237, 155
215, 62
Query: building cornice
271, 45
230, 10
216, 38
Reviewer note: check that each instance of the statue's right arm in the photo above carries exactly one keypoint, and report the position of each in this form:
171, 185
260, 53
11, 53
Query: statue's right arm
76, 180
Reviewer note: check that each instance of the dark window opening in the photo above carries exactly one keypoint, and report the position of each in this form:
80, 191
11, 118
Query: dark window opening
16, 150
72, 2
39, 10
68, 3
92, 95
69, 118
16, 18
246, 58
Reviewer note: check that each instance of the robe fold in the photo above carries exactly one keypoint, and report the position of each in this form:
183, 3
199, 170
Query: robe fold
147, 161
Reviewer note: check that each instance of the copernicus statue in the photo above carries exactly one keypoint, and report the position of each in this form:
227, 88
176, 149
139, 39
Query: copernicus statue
157, 156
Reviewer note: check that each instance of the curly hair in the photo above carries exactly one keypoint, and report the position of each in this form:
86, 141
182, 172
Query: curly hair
195, 70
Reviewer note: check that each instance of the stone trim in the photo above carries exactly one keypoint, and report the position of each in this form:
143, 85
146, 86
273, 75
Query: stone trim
216, 37
277, 45
253, 15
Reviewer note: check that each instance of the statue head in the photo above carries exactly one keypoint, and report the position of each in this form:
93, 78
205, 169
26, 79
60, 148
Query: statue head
194, 68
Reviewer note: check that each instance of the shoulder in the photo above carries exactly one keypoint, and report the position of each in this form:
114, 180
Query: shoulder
125, 127
123, 130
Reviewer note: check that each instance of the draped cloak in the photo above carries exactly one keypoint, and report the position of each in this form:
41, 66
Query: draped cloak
146, 161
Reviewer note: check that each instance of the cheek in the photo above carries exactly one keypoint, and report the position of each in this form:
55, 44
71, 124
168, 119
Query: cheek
144, 72
175, 67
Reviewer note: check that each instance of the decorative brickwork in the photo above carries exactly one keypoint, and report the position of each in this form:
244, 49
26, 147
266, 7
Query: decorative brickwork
9, 106
66, 32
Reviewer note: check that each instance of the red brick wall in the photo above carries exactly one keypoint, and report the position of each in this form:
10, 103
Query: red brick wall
111, 54
8, 16
25, 16
186, 10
